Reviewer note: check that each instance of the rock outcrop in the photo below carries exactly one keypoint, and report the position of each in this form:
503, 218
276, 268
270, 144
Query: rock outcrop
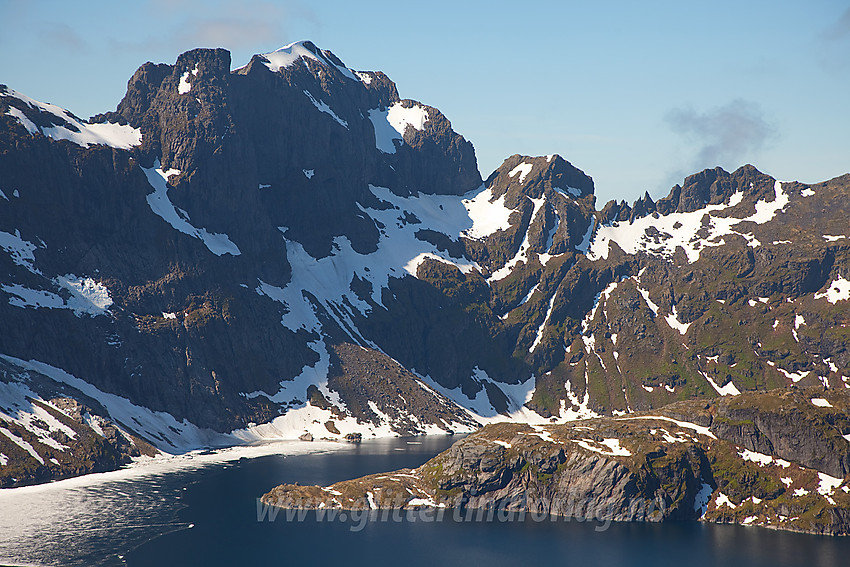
59, 433
641, 467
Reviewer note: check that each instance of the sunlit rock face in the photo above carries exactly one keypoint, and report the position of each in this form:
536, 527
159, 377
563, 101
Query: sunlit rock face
290, 248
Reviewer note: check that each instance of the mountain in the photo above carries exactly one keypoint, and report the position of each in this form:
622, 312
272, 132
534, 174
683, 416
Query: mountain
290, 249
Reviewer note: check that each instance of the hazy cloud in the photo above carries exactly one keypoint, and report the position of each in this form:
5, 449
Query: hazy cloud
231, 32
252, 24
727, 135
834, 43
63, 37
841, 28
236, 26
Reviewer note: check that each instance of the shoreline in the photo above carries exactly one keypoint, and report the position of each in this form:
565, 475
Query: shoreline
38, 520
165, 463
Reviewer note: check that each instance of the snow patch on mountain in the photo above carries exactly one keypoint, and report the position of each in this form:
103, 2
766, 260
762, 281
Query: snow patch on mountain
673, 320
702, 499
598, 299
481, 409
701, 429
441, 213
691, 231
651, 304
159, 428
161, 205
522, 169
728, 389
23, 407
827, 484
793, 376
385, 134
545, 322
68, 127
19, 249
579, 408
390, 124
25, 297
87, 296
185, 86
294, 391
529, 294
323, 107
609, 447
23, 120
310, 420
522, 253
838, 290
569, 192
761, 459
289, 55
550, 238
323, 282
400, 117
488, 215
26, 446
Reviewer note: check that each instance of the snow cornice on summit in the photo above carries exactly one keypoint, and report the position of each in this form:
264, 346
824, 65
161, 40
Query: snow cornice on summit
291, 54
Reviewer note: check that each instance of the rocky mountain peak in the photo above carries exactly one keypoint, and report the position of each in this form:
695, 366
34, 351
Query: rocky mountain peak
292, 243
202, 63
304, 52
708, 187
533, 176
418, 135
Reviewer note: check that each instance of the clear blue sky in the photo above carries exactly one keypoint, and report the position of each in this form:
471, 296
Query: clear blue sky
637, 94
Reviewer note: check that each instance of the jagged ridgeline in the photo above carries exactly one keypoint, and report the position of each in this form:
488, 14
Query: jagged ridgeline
290, 248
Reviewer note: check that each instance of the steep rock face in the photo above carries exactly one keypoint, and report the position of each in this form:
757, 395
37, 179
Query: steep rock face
186, 233
643, 467
433, 159
571, 470
709, 187
552, 203
791, 426
729, 297
232, 247
542, 475
57, 434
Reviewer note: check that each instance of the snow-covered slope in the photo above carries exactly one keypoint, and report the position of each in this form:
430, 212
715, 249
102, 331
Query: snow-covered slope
289, 248
40, 118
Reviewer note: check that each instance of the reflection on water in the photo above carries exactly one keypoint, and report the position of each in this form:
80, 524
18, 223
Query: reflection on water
203, 511
97, 519
87, 525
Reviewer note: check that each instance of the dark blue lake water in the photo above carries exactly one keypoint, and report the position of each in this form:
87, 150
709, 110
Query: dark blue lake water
145, 522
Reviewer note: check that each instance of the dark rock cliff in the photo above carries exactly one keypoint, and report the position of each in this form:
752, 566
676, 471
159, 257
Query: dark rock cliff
291, 244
